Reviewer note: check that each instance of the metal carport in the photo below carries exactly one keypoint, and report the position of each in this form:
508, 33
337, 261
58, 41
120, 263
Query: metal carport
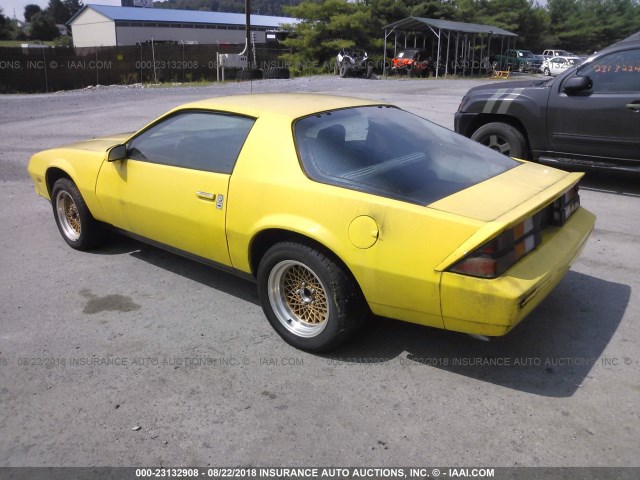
413, 26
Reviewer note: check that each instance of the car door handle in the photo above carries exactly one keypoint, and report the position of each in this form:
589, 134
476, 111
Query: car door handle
633, 106
206, 196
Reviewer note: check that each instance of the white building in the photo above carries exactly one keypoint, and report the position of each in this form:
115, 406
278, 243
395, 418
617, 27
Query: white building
104, 25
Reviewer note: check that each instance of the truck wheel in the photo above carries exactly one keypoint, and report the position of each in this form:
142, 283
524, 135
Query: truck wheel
503, 138
369, 70
521, 68
309, 300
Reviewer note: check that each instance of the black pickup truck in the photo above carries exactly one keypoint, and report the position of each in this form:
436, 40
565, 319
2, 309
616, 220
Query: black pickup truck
588, 115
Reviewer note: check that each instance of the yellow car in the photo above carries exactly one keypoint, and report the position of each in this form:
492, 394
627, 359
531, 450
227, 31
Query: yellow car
337, 207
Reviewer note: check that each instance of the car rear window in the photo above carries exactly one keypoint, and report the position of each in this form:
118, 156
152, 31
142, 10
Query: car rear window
389, 152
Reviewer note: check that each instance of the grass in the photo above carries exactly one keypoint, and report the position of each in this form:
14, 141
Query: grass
198, 83
18, 43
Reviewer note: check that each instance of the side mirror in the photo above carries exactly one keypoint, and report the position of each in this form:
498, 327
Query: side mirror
119, 152
577, 84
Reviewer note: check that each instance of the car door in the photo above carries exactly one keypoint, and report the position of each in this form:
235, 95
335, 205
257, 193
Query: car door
172, 186
602, 121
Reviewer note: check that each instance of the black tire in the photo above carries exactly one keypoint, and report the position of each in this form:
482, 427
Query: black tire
522, 68
275, 73
412, 72
251, 74
282, 73
503, 138
369, 73
344, 71
73, 218
311, 302
547, 72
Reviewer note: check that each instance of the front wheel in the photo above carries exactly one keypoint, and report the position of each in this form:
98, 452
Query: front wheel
547, 72
308, 298
503, 138
75, 222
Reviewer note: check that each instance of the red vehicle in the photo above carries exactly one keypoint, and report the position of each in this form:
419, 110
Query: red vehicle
412, 62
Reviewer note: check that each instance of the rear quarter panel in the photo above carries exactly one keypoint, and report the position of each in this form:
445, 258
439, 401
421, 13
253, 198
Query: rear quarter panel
268, 189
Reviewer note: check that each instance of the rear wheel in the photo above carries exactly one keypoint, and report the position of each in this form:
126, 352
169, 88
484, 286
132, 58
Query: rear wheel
547, 72
308, 298
503, 138
75, 222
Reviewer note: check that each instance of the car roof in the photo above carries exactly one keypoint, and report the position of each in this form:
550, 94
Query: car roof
289, 105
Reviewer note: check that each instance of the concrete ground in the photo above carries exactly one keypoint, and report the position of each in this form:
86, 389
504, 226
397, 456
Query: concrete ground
95, 345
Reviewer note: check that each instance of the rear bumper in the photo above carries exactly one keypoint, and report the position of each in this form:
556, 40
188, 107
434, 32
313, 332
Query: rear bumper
493, 307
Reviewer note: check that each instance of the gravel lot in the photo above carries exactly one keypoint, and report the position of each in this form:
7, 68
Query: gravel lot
201, 372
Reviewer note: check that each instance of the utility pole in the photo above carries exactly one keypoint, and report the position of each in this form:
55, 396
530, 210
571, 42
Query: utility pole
247, 12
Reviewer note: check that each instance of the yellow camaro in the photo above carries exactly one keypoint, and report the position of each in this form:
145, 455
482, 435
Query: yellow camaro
337, 207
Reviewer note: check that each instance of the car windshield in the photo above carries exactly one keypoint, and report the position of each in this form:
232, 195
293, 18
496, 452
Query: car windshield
527, 54
386, 151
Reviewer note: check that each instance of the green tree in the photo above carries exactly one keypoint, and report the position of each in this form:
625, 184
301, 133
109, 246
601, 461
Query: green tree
30, 10
9, 28
325, 27
588, 25
4, 30
58, 11
433, 9
43, 27
73, 7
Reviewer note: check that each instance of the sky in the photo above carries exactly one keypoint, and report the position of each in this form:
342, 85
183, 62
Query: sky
9, 5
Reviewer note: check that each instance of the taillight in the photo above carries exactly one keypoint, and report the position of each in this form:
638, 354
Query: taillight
564, 207
497, 255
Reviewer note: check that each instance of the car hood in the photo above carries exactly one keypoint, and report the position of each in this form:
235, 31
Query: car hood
100, 144
510, 196
492, 87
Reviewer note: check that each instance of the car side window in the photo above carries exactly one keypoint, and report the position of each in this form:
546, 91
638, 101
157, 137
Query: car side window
198, 140
616, 72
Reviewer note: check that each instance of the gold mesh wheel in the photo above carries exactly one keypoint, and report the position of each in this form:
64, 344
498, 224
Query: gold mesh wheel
298, 298
68, 215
